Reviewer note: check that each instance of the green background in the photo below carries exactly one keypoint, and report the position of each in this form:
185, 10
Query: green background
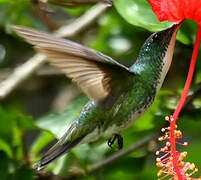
42, 107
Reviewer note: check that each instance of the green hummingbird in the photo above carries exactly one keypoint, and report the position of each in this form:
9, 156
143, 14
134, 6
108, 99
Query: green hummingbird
119, 94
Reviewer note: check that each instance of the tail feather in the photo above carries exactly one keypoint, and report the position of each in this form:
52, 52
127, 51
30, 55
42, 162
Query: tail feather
57, 150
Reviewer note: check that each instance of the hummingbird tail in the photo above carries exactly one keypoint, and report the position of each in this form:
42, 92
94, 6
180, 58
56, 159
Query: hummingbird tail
57, 150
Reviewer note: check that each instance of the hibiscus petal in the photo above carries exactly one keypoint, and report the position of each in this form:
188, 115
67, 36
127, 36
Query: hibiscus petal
177, 10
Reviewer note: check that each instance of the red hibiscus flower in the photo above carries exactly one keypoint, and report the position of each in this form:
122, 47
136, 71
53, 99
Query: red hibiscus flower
177, 10
172, 162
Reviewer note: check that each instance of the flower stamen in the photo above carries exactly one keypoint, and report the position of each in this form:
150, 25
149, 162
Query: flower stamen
166, 160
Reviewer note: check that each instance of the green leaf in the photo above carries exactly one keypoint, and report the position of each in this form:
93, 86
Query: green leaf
127, 165
4, 1
11, 118
139, 13
125, 168
77, 11
117, 38
91, 153
24, 173
4, 146
187, 31
6, 124
63, 164
4, 165
25, 123
18, 12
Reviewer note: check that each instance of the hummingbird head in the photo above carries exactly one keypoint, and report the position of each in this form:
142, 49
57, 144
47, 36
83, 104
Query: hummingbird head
156, 55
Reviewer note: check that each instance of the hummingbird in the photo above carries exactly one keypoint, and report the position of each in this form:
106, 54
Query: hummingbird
118, 94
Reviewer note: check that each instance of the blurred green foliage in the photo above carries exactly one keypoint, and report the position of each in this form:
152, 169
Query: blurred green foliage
28, 122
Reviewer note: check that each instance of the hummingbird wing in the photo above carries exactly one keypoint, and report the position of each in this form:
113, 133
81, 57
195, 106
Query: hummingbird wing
98, 75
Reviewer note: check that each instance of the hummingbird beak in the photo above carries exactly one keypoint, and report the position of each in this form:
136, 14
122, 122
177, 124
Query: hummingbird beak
173, 31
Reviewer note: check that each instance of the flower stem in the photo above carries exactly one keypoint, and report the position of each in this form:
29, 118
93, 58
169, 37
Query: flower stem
181, 103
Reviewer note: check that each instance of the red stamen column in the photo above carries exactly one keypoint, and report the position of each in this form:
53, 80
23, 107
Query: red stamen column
181, 103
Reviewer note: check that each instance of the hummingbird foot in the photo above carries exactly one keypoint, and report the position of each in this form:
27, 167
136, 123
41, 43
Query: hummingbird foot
119, 139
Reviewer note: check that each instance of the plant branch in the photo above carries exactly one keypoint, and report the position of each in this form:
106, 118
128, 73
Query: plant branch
24, 71
85, 20
42, 14
71, 2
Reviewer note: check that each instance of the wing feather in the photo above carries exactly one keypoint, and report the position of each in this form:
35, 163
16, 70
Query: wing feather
91, 70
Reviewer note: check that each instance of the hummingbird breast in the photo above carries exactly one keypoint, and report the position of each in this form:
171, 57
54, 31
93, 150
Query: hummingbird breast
129, 107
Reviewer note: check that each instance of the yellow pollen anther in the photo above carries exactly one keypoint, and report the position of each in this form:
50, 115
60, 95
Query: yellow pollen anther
166, 136
184, 153
159, 164
160, 173
167, 118
157, 153
192, 166
182, 163
163, 149
177, 133
163, 130
171, 158
166, 148
158, 159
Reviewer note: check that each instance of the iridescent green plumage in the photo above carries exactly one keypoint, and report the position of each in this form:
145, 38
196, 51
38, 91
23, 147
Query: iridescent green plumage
119, 94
